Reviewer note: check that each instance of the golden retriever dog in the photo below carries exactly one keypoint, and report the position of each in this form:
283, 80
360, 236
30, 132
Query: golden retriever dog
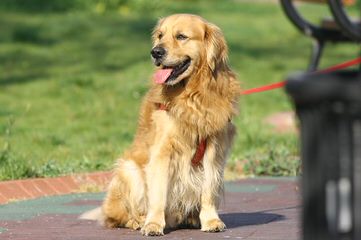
172, 175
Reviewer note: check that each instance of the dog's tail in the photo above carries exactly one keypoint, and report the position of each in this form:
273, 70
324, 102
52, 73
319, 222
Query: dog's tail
94, 214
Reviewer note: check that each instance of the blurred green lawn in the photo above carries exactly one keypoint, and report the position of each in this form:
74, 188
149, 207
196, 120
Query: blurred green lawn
71, 83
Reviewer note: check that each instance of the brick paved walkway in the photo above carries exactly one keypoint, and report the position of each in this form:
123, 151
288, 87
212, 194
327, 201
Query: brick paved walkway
34, 188
261, 208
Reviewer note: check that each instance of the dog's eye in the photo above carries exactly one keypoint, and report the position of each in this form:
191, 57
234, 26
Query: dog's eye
181, 37
160, 35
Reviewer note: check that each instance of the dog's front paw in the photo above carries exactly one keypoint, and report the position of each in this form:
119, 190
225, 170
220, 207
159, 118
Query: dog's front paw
214, 225
152, 229
135, 224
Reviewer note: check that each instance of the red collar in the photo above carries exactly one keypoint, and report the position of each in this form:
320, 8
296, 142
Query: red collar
202, 144
199, 154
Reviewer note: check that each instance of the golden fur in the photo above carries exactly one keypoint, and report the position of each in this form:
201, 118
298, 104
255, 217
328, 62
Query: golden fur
154, 184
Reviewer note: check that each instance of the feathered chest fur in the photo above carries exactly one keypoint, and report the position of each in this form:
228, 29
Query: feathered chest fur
203, 109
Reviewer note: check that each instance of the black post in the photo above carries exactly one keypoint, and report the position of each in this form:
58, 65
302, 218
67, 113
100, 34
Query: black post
329, 109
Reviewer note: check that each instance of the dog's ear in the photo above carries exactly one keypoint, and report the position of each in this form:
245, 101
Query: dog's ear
216, 47
155, 32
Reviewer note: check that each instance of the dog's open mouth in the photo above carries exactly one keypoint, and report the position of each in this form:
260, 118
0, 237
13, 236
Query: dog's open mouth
169, 73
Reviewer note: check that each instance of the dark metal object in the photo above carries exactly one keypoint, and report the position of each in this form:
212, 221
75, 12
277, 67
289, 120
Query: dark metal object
329, 109
351, 28
308, 28
322, 35
316, 54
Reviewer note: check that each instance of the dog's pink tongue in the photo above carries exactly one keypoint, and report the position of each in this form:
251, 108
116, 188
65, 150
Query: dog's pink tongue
161, 75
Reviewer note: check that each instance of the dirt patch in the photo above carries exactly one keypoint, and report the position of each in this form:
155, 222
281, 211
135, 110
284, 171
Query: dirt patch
282, 122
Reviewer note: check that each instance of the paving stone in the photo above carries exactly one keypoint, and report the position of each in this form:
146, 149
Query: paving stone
12, 190
266, 208
33, 188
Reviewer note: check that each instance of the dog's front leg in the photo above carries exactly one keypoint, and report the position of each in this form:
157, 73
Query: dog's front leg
157, 184
157, 173
212, 184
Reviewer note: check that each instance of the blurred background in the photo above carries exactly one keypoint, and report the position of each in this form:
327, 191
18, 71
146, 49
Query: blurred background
73, 72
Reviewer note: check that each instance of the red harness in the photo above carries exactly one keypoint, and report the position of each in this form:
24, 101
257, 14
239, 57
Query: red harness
202, 145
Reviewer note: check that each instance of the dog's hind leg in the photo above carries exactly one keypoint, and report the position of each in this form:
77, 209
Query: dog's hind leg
179, 219
124, 205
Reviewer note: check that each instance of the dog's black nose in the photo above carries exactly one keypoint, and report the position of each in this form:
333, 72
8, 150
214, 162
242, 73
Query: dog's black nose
158, 52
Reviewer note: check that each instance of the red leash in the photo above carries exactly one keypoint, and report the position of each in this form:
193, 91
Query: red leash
281, 84
202, 145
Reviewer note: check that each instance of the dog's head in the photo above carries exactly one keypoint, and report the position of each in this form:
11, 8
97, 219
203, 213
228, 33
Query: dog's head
185, 44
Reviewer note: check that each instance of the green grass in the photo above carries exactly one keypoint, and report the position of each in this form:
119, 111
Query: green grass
71, 84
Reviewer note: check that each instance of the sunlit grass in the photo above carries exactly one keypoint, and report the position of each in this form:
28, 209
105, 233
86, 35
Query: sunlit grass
71, 84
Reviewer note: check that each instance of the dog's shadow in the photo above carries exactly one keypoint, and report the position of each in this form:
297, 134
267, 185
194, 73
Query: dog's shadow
234, 220
237, 219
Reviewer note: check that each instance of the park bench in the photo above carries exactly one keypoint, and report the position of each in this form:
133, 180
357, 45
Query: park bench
340, 28
329, 109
